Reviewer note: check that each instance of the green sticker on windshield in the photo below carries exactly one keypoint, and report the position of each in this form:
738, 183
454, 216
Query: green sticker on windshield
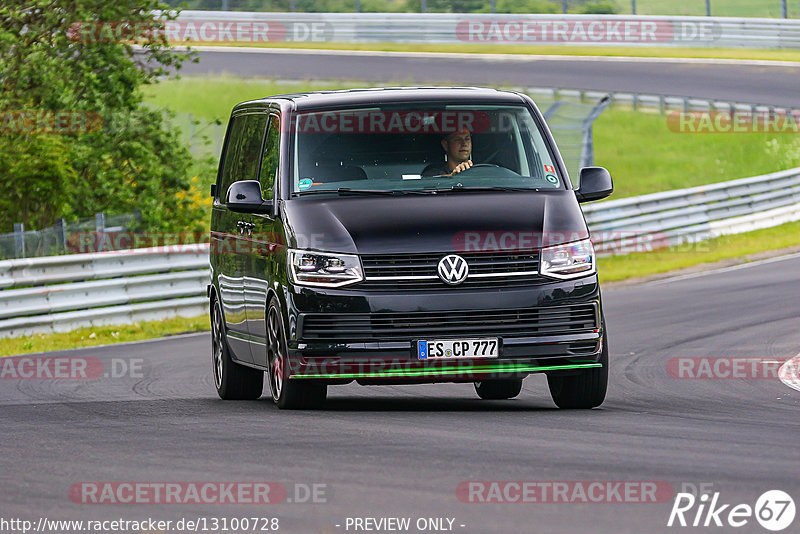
551, 178
305, 183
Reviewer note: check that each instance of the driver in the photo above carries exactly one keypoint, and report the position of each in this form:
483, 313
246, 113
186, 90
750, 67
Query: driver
458, 152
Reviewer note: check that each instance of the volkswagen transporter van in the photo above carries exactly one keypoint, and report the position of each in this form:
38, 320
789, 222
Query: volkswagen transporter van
402, 236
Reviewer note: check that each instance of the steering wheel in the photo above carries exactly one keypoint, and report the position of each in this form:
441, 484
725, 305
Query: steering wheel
478, 166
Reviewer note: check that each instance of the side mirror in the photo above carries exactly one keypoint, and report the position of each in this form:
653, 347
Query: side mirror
244, 196
595, 183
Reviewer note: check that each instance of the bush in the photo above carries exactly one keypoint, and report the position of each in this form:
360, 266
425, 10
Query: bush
597, 7
125, 159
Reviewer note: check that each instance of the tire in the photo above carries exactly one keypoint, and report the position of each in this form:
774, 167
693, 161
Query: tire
498, 389
582, 391
288, 394
233, 381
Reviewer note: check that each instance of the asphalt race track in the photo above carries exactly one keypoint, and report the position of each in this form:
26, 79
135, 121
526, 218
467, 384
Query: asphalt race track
402, 451
777, 85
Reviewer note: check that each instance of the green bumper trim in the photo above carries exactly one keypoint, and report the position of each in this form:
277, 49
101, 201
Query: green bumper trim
440, 371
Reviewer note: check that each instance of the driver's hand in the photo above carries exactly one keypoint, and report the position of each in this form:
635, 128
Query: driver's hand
462, 167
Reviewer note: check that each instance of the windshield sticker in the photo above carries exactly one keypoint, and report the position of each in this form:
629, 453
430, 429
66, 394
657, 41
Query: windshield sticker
551, 178
305, 183
549, 169
412, 177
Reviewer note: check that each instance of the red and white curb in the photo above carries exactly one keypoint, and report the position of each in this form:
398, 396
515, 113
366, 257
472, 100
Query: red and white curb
790, 373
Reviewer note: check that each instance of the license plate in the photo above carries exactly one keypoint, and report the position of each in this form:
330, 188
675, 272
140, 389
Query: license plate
458, 348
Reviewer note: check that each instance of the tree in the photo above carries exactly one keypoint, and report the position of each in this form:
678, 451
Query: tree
71, 58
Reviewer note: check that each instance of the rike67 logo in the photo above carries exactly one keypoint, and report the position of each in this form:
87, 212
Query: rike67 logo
774, 510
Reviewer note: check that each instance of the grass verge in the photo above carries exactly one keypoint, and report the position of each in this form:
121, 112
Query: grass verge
548, 50
739, 246
102, 335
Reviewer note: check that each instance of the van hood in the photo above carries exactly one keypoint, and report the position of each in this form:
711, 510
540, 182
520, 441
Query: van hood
445, 222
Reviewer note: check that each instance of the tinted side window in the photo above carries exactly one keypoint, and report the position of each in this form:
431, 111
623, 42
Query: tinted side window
272, 151
242, 151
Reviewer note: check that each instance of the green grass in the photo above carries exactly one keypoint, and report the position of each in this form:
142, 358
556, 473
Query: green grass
563, 50
213, 98
617, 268
102, 335
719, 8
645, 156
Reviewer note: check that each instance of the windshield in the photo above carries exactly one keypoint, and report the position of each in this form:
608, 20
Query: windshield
419, 148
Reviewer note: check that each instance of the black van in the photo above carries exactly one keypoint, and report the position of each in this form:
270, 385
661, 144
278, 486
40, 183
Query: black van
402, 236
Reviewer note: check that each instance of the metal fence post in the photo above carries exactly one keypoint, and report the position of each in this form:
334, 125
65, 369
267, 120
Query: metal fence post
424, 6
784, 9
61, 234
708, 8
19, 240
587, 148
564, 6
100, 229
191, 134
633, 7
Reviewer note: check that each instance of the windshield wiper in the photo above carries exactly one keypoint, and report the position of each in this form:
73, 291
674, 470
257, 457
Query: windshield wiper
350, 191
459, 187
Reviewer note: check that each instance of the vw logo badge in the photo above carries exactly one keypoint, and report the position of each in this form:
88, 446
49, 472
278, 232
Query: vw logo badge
453, 269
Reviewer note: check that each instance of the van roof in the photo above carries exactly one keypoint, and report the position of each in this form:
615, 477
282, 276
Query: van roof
384, 95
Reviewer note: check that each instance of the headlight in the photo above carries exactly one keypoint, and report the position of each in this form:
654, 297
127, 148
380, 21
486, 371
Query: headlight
321, 269
568, 261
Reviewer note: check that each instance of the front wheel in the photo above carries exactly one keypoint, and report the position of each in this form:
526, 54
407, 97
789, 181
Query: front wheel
232, 381
294, 394
581, 391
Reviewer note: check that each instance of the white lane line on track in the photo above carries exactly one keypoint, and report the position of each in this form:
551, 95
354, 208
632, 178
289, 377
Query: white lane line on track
723, 269
500, 57
789, 373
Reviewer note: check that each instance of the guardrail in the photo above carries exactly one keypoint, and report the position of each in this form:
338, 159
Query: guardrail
102, 288
144, 284
587, 30
694, 214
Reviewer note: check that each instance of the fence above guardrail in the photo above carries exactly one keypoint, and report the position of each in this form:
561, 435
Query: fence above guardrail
586, 30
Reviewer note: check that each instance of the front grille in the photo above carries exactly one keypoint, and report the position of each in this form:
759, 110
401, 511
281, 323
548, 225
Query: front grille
403, 271
556, 320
